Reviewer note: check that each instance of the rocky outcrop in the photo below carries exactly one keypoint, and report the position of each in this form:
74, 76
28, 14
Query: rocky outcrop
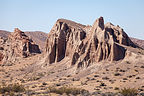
17, 45
21, 44
38, 37
86, 45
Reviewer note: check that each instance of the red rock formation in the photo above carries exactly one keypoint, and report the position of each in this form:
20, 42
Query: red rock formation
85, 44
21, 44
16, 46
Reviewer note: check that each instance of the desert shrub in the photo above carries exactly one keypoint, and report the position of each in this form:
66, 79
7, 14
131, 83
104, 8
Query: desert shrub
117, 74
116, 88
142, 67
34, 78
51, 72
44, 83
12, 88
40, 74
127, 62
102, 84
137, 77
129, 91
11, 94
105, 78
67, 90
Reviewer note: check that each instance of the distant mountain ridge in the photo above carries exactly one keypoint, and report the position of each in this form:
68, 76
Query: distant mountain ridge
4, 33
139, 42
38, 37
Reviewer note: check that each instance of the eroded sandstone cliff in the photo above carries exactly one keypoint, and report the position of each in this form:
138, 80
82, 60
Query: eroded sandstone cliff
86, 45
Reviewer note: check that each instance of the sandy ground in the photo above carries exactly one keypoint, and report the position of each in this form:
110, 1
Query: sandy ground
105, 76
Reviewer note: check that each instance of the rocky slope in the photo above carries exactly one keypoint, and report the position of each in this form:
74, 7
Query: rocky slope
86, 45
17, 45
138, 42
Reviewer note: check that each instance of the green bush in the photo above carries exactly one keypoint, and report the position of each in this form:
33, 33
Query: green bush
129, 91
12, 88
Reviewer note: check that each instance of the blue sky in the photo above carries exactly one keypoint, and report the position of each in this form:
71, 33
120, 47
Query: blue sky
40, 15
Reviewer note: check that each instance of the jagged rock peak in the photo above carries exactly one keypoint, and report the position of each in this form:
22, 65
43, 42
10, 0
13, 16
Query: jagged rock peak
70, 23
99, 23
17, 30
85, 45
18, 34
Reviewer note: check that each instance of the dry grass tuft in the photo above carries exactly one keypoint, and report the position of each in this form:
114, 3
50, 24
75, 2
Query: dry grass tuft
129, 91
67, 90
12, 88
